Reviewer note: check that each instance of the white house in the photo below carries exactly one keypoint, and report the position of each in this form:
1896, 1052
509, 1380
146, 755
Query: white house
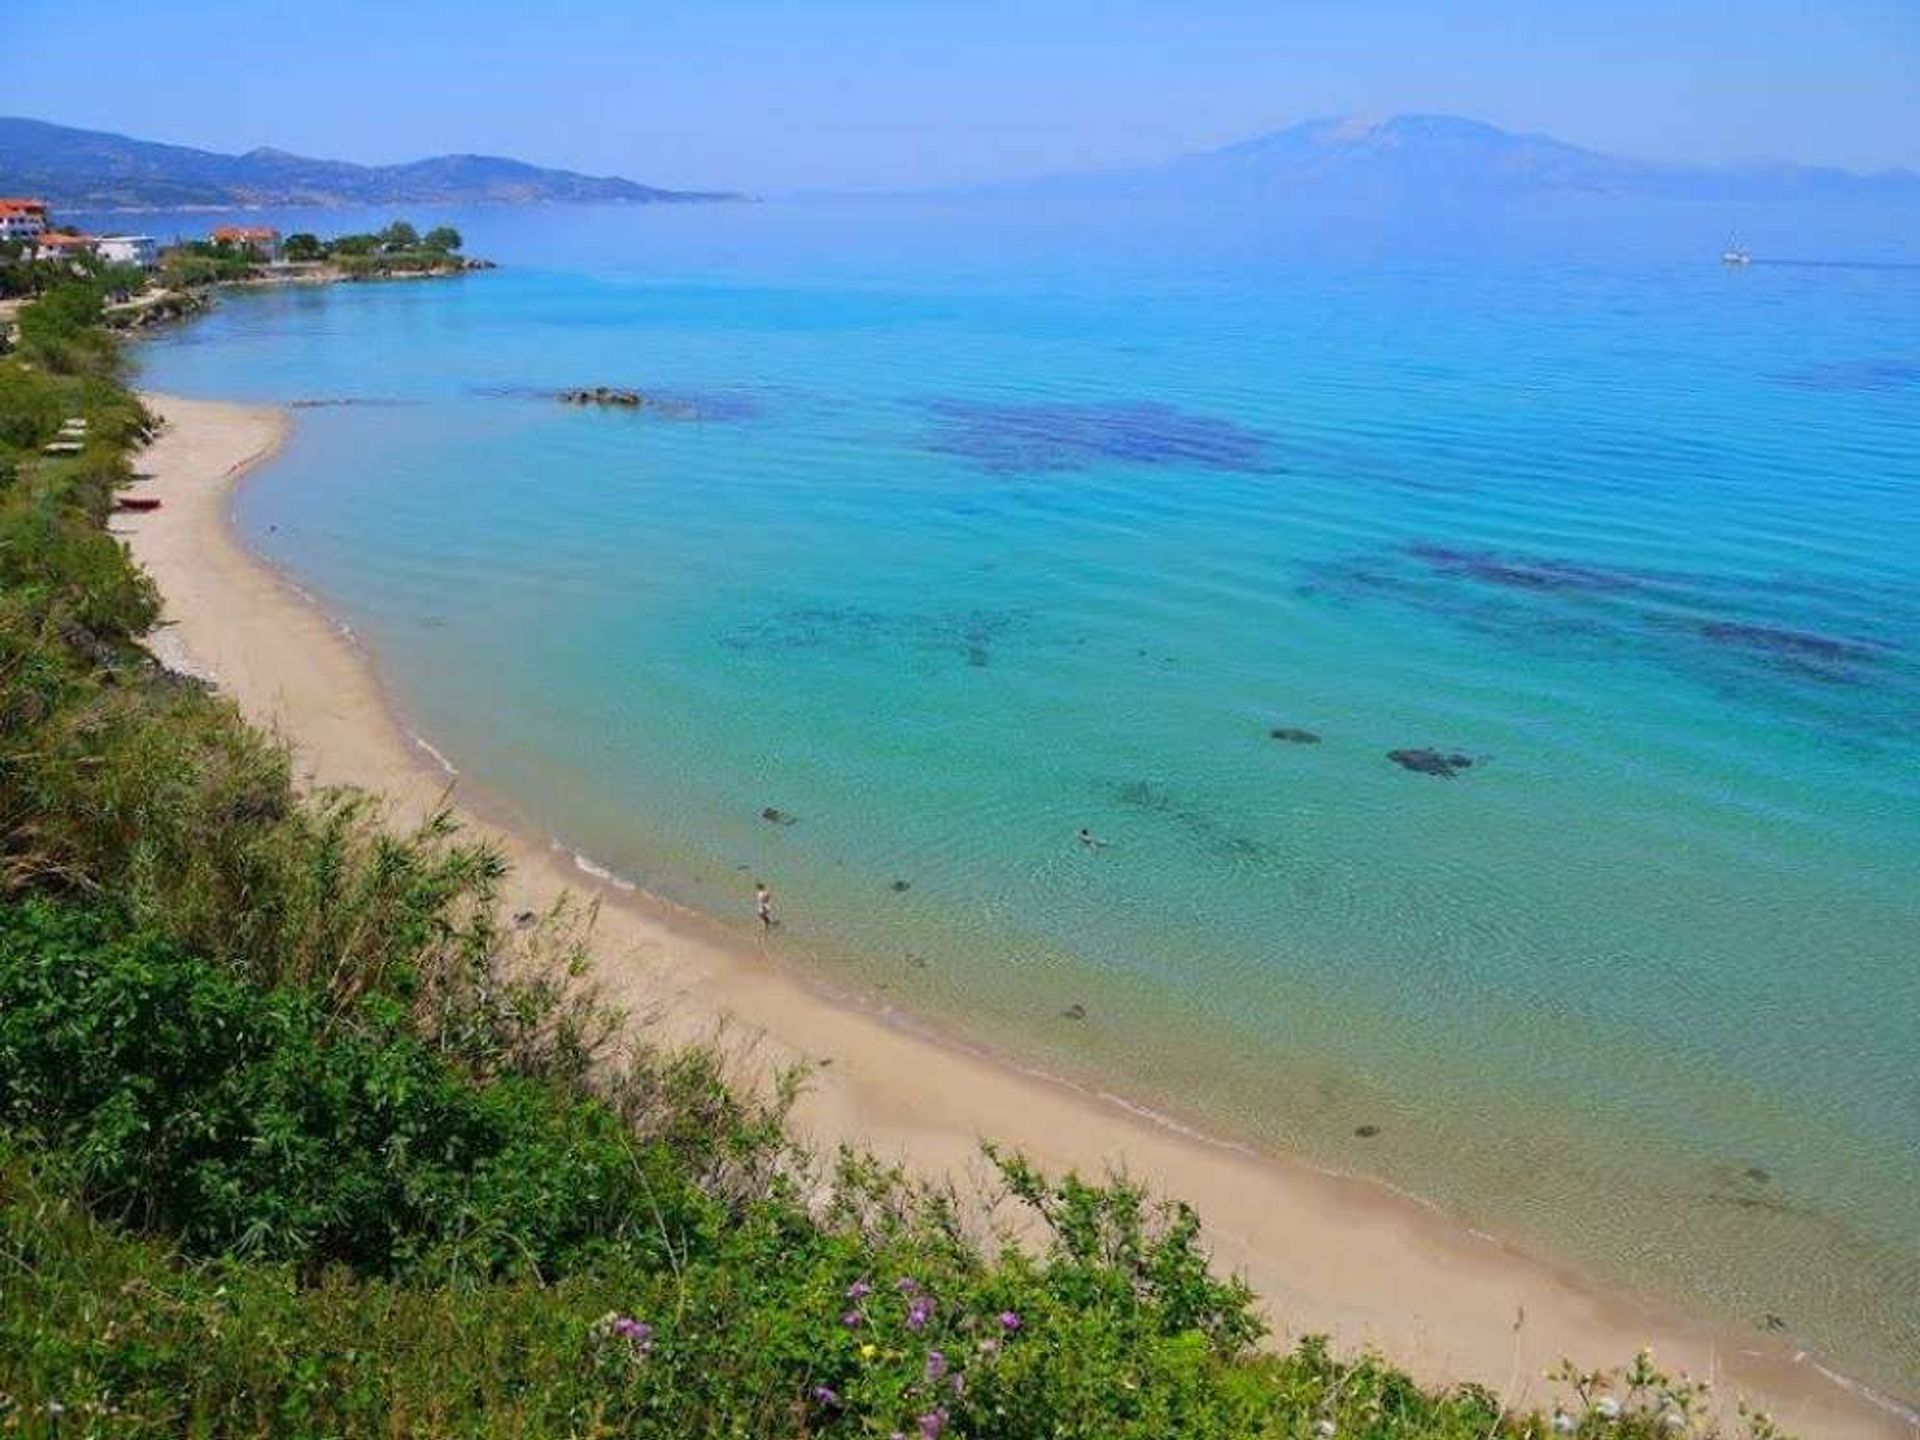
22, 219
129, 250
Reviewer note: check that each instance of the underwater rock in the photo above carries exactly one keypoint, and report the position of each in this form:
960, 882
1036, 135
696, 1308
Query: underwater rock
603, 395
900, 887
1758, 1175
1075, 1011
1431, 762
774, 816
1366, 1132
1520, 572
1042, 438
1293, 735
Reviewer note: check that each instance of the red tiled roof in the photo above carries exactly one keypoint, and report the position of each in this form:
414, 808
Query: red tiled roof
14, 202
246, 234
55, 240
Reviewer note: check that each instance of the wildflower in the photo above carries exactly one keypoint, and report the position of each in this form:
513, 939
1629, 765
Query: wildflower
637, 1333
853, 1319
936, 1364
1324, 1429
1563, 1423
1009, 1321
869, 1350
1672, 1420
1608, 1407
919, 1313
989, 1346
907, 1285
827, 1396
859, 1290
931, 1424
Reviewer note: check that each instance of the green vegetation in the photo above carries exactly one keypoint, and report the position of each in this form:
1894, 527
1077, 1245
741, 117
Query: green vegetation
298, 1138
399, 249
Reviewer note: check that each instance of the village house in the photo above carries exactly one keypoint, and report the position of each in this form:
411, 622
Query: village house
262, 241
22, 219
138, 250
57, 245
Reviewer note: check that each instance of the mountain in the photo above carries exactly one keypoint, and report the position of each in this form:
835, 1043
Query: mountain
1425, 155
94, 170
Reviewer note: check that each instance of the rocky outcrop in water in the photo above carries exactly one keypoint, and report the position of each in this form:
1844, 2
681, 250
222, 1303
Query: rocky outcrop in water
604, 395
1431, 762
1293, 735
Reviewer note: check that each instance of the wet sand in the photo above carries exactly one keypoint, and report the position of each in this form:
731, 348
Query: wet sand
1327, 1253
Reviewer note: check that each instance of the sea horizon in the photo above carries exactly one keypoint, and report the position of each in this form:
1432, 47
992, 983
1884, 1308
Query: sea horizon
1662, 659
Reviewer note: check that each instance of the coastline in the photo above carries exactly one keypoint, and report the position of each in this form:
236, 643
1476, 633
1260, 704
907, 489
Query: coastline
1327, 1253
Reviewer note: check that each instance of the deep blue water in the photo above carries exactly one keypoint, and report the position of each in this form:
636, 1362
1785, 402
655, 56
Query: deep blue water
955, 531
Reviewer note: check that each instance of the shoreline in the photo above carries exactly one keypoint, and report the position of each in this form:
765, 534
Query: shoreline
1326, 1253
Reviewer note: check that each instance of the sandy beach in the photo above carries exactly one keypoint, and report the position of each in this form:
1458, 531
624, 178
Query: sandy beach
1327, 1253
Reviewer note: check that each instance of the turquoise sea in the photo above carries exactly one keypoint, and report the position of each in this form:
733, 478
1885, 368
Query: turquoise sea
954, 531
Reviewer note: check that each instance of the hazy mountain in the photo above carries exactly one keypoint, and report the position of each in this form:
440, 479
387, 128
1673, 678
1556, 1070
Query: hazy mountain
1425, 155
93, 170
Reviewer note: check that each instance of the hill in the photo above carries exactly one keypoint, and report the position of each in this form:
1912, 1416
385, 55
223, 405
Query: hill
1425, 155
95, 170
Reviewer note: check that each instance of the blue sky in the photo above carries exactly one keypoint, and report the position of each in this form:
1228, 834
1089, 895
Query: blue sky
887, 93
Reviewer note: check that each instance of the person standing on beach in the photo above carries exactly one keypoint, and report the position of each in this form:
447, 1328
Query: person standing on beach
763, 904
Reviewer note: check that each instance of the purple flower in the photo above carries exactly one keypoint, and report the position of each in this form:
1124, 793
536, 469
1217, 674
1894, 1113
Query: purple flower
826, 1396
919, 1313
907, 1285
859, 1290
853, 1319
636, 1332
931, 1424
936, 1365
1009, 1321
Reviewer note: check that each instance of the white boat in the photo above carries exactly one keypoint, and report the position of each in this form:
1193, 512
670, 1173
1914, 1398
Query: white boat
1736, 254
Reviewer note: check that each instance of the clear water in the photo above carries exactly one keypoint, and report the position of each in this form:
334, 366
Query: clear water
956, 533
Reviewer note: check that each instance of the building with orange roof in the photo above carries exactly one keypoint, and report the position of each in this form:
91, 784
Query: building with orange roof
57, 245
22, 219
262, 240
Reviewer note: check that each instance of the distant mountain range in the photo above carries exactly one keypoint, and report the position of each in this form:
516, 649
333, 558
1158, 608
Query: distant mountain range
94, 170
1426, 155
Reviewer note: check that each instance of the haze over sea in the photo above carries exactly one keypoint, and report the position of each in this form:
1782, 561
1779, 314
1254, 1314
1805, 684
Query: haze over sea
960, 525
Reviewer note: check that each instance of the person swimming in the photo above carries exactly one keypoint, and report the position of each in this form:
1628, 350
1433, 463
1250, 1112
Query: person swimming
1087, 838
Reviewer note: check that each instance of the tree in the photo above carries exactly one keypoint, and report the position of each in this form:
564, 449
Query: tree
400, 236
442, 239
303, 246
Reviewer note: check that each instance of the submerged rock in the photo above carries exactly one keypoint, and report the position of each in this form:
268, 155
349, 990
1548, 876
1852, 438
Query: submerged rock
1431, 762
1075, 1011
604, 395
900, 887
1293, 735
774, 816
1366, 1132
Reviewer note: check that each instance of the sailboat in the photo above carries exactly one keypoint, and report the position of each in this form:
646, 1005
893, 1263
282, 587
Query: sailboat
1736, 254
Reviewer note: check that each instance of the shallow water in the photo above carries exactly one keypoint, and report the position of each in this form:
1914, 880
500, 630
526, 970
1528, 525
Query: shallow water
945, 544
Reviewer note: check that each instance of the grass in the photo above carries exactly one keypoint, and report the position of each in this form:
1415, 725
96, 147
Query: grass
298, 1138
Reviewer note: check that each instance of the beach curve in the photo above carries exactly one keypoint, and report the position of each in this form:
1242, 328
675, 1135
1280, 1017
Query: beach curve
1328, 1254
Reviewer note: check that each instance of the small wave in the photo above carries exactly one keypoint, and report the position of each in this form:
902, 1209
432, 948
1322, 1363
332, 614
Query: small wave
1905, 1413
601, 873
439, 759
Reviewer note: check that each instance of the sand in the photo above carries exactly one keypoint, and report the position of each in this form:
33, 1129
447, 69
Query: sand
1327, 1253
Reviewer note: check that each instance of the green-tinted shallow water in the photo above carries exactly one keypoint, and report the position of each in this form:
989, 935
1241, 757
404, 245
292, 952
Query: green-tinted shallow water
944, 553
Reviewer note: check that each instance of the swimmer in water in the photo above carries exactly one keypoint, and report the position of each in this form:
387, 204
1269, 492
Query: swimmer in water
1087, 838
